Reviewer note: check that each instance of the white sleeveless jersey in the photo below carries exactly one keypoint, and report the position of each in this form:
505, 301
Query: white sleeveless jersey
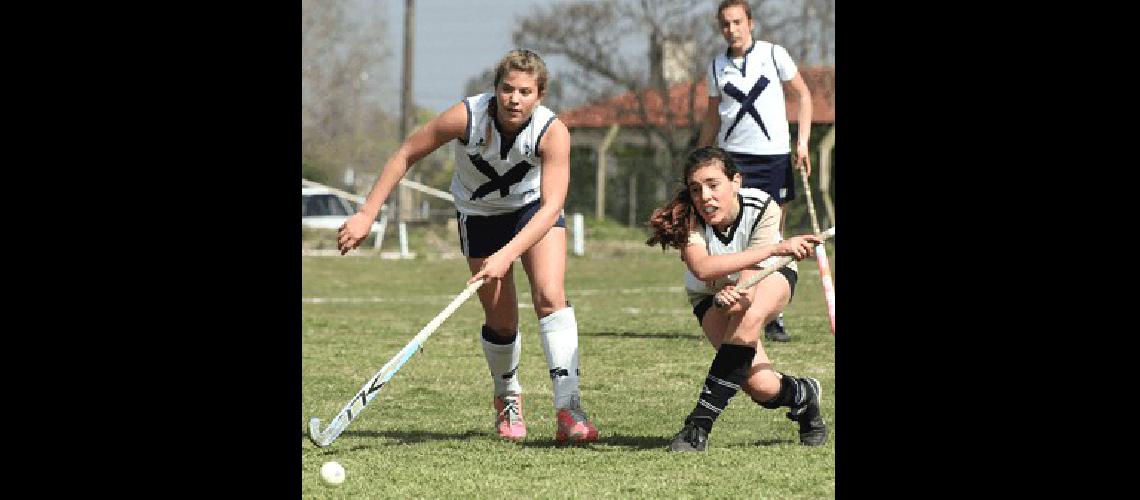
753, 116
754, 207
494, 180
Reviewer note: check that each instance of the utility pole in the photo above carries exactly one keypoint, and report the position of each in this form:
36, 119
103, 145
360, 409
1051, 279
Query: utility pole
633, 200
600, 192
407, 110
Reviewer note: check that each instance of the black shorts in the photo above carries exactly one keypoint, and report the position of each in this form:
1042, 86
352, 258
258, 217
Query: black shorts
772, 174
703, 306
482, 235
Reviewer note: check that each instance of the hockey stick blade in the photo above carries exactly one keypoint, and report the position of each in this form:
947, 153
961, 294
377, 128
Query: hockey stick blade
378, 380
315, 434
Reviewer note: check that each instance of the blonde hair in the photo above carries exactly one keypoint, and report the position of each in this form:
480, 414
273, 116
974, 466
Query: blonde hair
526, 61
519, 60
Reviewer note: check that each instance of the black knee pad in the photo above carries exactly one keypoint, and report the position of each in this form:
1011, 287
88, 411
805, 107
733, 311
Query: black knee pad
490, 336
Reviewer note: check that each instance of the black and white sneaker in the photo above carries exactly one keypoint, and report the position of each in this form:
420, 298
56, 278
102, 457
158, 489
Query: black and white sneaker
691, 438
813, 430
774, 330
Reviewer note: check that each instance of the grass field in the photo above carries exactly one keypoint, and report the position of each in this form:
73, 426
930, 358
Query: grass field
643, 359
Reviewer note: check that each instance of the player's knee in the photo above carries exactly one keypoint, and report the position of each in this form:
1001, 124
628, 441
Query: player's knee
745, 335
546, 303
763, 386
751, 322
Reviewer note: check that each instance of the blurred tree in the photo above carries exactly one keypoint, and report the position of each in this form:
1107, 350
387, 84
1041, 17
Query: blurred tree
344, 50
587, 33
674, 41
816, 30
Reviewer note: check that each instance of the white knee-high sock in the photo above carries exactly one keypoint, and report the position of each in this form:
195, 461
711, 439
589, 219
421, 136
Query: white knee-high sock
559, 332
503, 360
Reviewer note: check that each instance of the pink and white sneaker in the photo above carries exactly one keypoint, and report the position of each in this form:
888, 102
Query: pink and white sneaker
509, 421
574, 425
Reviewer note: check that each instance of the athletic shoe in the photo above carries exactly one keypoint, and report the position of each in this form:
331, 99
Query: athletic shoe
509, 421
574, 425
691, 438
813, 431
774, 331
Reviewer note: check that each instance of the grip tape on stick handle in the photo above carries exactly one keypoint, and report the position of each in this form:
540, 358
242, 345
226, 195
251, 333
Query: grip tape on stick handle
778, 263
807, 194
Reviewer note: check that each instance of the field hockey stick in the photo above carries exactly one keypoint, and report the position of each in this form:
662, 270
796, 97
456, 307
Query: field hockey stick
774, 265
371, 388
820, 254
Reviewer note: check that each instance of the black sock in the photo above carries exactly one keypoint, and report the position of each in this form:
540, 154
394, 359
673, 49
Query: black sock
490, 336
791, 394
729, 369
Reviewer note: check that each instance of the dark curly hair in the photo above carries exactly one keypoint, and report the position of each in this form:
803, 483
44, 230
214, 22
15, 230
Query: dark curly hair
670, 223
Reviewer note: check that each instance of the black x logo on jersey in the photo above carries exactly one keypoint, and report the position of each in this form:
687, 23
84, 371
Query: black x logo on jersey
747, 104
502, 183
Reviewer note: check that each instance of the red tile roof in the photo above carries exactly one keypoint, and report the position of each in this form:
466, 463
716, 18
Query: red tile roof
623, 109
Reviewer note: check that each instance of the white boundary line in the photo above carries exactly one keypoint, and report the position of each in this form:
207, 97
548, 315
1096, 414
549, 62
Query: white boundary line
443, 298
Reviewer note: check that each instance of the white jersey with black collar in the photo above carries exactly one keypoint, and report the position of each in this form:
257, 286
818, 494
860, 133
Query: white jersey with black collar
753, 116
498, 178
757, 224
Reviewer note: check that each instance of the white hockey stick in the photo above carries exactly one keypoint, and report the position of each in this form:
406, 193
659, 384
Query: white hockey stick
772, 267
821, 256
374, 384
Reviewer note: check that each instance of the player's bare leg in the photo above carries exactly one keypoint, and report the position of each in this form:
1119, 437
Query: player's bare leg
545, 265
502, 347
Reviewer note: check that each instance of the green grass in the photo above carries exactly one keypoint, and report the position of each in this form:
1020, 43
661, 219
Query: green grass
643, 360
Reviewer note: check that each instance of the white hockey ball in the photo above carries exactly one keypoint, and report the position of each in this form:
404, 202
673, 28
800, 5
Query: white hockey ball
332, 473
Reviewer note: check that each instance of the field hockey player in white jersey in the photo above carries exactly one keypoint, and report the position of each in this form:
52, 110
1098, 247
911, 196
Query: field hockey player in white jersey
726, 233
747, 117
509, 196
